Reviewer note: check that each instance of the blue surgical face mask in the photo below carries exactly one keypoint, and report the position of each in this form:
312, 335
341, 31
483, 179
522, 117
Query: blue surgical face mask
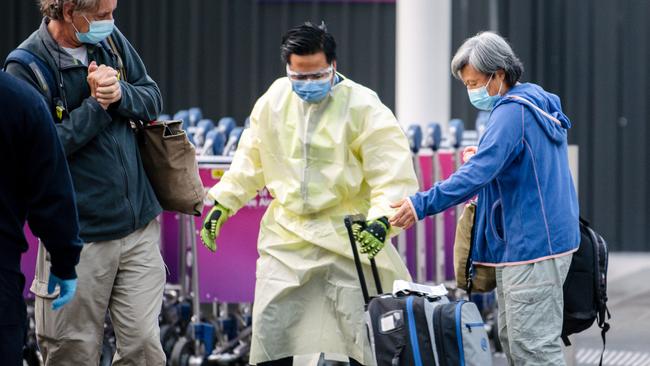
314, 86
98, 31
312, 91
481, 99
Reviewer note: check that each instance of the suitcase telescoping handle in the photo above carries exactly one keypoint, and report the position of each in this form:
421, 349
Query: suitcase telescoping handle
361, 220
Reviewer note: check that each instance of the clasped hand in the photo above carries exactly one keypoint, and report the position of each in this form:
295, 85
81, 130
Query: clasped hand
104, 84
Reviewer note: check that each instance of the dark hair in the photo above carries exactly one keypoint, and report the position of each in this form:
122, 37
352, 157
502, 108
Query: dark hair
307, 39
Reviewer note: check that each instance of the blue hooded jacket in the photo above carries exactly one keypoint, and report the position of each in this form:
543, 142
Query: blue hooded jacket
527, 207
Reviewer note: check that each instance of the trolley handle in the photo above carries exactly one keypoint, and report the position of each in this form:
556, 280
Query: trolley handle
361, 220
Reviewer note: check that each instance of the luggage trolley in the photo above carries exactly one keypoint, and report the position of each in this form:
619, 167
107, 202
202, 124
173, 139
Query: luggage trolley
414, 134
220, 336
432, 140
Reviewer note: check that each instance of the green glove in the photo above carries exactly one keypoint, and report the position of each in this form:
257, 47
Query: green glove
212, 224
373, 236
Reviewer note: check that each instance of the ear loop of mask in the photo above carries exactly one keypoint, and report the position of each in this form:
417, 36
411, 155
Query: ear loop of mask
500, 86
87, 21
488, 83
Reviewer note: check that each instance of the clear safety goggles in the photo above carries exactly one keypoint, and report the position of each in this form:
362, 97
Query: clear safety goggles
315, 75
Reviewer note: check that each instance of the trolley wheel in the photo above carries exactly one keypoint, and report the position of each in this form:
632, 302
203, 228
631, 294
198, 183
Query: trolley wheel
106, 358
494, 334
31, 355
182, 351
168, 338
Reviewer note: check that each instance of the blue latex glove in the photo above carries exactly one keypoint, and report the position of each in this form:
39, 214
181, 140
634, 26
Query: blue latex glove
68, 288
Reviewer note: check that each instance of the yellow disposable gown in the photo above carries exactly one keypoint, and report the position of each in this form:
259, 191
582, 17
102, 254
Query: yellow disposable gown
344, 155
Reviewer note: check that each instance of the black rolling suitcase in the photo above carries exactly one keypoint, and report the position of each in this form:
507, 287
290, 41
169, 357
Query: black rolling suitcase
415, 328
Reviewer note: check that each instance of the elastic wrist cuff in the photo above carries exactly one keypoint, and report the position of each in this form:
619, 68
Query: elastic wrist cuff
384, 220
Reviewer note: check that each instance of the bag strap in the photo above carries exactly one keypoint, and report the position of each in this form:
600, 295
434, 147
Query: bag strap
469, 267
603, 330
38, 67
120, 63
136, 126
540, 110
44, 76
603, 311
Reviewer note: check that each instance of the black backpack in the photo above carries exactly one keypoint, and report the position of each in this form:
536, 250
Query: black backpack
585, 287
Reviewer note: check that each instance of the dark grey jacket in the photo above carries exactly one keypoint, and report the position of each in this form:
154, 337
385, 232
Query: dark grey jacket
114, 196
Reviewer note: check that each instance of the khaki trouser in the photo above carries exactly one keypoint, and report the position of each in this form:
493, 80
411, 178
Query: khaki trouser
531, 305
125, 276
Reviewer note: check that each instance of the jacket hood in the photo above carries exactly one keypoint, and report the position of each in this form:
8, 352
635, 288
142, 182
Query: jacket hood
548, 102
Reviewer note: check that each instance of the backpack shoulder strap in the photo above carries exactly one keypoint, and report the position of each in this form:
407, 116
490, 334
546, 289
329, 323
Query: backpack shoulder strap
44, 76
41, 72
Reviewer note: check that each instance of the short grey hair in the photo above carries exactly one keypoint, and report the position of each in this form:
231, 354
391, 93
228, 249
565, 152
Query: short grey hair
53, 9
488, 52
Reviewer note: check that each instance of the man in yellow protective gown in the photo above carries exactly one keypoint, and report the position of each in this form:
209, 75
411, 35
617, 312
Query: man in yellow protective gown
325, 147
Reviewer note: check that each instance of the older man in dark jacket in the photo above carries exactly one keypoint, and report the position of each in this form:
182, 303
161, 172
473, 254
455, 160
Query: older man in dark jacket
101, 85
